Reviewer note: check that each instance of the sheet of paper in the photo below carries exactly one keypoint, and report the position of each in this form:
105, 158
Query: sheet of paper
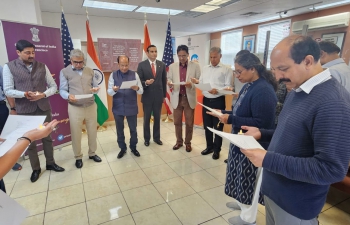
226, 92
180, 83
211, 110
204, 87
128, 84
242, 141
15, 127
11, 212
83, 96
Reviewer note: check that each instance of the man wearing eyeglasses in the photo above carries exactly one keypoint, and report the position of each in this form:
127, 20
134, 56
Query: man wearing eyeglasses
30, 83
77, 79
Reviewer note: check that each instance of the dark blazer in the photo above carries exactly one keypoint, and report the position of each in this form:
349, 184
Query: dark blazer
155, 92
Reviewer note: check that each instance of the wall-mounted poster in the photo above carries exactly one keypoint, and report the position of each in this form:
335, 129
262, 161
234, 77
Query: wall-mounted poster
111, 48
336, 38
249, 43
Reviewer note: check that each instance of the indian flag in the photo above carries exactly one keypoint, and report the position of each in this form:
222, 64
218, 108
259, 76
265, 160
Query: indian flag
93, 62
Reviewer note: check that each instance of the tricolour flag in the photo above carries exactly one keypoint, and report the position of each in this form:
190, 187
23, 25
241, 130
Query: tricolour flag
93, 62
146, 40
67, 44
168, 59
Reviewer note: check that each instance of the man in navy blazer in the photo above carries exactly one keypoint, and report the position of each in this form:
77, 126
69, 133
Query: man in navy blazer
153, 76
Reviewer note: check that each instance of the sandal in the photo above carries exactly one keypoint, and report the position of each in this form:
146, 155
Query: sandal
17, 167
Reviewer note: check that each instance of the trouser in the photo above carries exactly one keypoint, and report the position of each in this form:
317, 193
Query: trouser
183, 107
249, 212
275, 215
2, 185
4, 113
76, 117
132, 123
213, 122
47, 142
156, 108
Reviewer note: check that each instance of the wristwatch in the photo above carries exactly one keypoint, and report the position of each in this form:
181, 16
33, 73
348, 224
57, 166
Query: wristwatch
13, 108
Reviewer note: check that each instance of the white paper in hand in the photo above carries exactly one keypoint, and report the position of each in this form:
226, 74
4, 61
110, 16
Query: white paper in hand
211, 110
226, 92
128, 84
179, 83
242, 141
204, 87
83, 96
11, 212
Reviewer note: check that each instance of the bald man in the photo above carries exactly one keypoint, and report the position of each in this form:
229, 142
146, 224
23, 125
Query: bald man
309, 148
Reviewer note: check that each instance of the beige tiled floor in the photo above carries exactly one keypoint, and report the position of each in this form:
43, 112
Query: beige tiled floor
161, 187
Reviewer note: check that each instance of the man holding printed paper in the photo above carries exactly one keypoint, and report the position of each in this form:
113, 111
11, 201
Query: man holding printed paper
125, 103
30, 83
78, 86
219, 77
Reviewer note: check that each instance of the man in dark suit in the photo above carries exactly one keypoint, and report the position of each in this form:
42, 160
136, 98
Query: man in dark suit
152, 73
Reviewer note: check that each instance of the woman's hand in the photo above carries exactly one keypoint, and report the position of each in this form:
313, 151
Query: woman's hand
252, 131
37, 134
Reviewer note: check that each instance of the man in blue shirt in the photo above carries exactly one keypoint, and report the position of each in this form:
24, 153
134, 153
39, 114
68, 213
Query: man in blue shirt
307, 152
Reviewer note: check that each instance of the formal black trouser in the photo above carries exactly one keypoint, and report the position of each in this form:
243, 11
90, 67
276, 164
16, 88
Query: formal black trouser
212, 122
2, 185
132, 123
4, 113
156, 108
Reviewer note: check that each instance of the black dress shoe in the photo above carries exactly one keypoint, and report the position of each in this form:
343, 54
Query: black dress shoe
225, 161
147, 143
159, 142
95, 158
207, 151
216, 155
79, 163
35, 175
121, 154
135, 152
177, 146
54, 167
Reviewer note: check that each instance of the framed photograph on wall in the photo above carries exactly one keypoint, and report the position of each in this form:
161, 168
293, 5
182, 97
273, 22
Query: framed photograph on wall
336, 38
249, 43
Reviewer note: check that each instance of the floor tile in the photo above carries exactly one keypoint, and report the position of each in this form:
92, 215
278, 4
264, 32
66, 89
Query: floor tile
142, 198
35, 204
110, 147
206, 161
64, 197
11, 176
71, 215
201, 181
106, 208
131, 180
217, 199
25, 174
26, 187
101, 188
216, 221
91, 163
192, 210
167, 146
67, 178
159, 173
149, 160
171, 156
9, 187
158, 215
333, 216
108, 140
174, 188
96, 172
123, 166
334, 197
218, 172
34, 220
125, 220
184, 167
196, 151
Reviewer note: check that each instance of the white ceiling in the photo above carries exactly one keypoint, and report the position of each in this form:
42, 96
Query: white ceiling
221, 19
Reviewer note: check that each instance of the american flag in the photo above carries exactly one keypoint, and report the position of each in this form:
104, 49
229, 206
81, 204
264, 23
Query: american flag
168, 59
67, 43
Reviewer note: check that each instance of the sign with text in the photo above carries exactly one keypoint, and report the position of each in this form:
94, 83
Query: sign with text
111, 48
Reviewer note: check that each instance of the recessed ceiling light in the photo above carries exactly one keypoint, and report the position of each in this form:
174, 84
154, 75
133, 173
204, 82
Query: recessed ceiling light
266, 19
217, 2
109, 5
329, 5
144, 9
205, 8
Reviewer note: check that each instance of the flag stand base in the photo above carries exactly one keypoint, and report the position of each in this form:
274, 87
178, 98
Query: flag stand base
101, 128
167, 120
151, 120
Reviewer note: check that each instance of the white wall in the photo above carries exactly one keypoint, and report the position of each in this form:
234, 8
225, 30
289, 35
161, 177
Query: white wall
106, 27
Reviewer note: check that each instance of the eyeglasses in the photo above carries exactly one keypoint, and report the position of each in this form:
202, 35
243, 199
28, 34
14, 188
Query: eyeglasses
238, 72
78, 62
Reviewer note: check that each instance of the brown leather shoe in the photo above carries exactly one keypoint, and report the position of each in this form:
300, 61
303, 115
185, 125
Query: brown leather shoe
188, 148
177, 146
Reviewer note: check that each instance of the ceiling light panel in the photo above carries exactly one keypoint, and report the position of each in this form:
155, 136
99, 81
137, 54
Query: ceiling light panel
217, 2
109, 5
144, 9
191, 14
330, 5
205, 8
